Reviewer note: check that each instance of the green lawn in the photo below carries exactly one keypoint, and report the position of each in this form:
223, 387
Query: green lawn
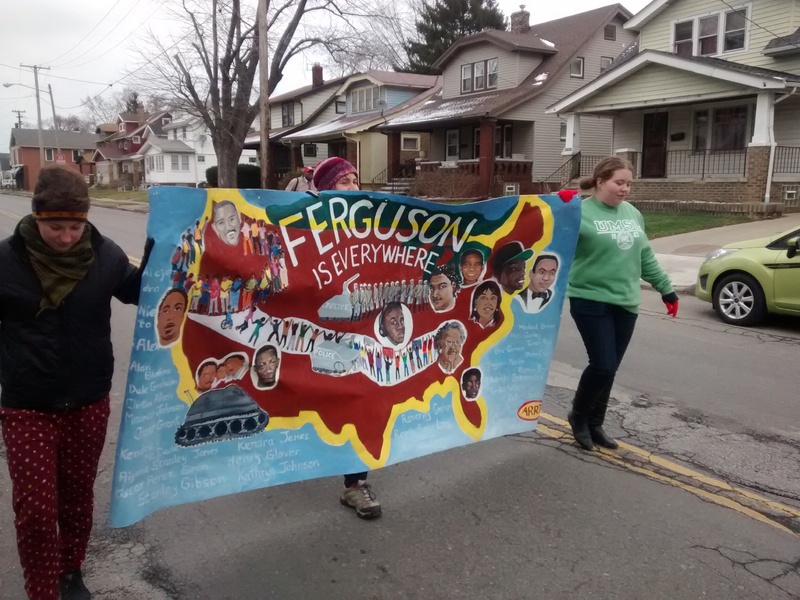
111, 194
664, 224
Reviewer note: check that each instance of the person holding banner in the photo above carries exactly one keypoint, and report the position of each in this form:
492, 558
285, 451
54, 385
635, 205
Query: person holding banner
604, 291
54, 404
338, 174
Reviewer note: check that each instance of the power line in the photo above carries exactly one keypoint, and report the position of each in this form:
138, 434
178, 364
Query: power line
87, 35
58, 76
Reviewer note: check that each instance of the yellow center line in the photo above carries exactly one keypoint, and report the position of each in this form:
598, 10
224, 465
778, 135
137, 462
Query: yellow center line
699, 478
9, 214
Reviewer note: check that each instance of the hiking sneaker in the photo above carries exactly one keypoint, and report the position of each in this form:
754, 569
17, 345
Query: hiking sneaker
73, 588
363, 500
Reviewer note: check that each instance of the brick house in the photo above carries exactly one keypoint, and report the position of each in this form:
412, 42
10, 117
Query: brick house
704, 103
76, 150
489, 120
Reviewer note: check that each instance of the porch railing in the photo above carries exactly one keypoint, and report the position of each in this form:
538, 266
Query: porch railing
589, 162
787, 160
569, 170
690, 163
406, 169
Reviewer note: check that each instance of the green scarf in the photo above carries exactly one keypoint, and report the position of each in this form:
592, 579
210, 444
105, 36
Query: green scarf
58, 272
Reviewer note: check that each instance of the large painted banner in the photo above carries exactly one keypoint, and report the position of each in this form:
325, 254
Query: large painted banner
283, 336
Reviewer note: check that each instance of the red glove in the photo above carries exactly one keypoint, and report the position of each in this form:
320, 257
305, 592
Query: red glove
567, 195
671, 302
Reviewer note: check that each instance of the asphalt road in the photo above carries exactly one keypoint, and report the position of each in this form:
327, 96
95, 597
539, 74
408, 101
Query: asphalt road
701, 501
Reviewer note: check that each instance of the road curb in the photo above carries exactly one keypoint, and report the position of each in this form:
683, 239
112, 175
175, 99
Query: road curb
681, 290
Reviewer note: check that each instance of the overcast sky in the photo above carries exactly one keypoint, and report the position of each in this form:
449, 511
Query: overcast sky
71, 39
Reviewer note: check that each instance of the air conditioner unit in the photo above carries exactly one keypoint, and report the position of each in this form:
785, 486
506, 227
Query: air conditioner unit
511, 188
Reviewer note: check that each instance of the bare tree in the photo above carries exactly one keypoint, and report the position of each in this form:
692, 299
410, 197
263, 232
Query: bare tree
70, 123
102, 109
210, 65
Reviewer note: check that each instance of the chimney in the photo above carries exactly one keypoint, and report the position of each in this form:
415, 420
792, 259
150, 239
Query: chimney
521, 21
140, 118
316, 75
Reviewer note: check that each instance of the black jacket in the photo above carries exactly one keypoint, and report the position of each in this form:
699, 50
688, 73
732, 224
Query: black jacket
62, 358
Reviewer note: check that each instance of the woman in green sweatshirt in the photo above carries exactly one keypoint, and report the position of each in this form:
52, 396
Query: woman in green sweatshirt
612, 255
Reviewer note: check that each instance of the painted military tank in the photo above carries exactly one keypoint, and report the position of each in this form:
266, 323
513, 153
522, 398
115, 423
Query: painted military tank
339, 307
221, 414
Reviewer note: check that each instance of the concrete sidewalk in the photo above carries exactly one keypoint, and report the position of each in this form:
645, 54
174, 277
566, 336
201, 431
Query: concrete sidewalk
681, 255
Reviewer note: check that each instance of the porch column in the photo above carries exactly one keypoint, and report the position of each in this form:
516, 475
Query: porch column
762, 126
486, 158
572, 145
392, 153
296, 156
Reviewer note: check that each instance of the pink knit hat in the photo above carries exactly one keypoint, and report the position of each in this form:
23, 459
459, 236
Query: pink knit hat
331, 170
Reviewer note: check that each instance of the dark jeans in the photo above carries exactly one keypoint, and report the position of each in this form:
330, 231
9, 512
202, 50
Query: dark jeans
606, 330
354, 478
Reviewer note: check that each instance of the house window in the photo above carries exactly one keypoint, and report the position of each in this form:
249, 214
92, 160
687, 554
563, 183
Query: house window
684, 44
159, 162
479, 69
491, 73
287, 114
498, 141
721, 129
562, 132
341, 107
409, 143
576, 67
76, 156
610, 33
507, 129
735, 27
165, 120
126, 168
364, 99
174, 134
361, 100
711, 34
184, 162
174, 162
201, 158
137, 139
252, 159
183, 132
122, 127
310, 150
605, 62
466, 78
476, 142
48, 154
709, 27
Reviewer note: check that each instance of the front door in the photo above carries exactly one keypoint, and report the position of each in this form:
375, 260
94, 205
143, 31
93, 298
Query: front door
452, 146
654, 144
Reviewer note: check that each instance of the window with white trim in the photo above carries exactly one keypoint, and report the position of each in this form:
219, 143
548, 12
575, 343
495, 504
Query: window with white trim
310, 150
287, 114
605, 62
136, 139
711, 34
479, 76
174, 162
201, 158
126, 168
184, 162
121, 127
491, 73
174, 134
76, 156
341, 107
610, 32
466, 78
562, 132
409, 143
48, 154
721, 129
576, 67
159, 160
183, 132
365, 98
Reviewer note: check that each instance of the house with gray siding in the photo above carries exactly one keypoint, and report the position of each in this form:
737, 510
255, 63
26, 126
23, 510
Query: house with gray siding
489, 119
705, 105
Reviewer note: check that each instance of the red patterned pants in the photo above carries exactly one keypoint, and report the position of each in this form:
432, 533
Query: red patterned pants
52, 460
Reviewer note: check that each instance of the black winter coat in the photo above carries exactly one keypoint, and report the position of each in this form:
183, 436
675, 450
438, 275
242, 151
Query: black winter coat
63, 358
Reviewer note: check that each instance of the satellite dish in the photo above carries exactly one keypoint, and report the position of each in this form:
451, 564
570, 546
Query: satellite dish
202, 138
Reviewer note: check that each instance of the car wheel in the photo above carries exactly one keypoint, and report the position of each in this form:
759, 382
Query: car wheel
739, 300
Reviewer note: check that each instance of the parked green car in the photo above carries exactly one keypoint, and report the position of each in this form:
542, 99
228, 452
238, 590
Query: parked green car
746, 280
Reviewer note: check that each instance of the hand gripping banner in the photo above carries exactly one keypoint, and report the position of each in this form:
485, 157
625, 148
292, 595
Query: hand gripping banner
283, 336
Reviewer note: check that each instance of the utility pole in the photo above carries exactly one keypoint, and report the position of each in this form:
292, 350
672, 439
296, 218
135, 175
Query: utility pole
263, 84
19, 117
36, 69
55, 123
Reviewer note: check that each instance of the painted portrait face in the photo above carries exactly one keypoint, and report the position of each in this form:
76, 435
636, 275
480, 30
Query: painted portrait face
394, 324
233, 364
206, 376
170, 317
449, 347
512, 277
472, 386
442, 294
227, 223
61, 235
266, 367
471, 268
486, 305
543, 275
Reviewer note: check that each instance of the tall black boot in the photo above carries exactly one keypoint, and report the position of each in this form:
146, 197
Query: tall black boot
582, 406
597, 418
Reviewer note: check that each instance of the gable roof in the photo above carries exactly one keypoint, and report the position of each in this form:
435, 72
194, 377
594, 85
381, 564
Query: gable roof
512, 42
783, 45
68, 140
109, 152
166, 145
307, 90
716, 68
568, 34
408, 80
645, 15
128, 117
